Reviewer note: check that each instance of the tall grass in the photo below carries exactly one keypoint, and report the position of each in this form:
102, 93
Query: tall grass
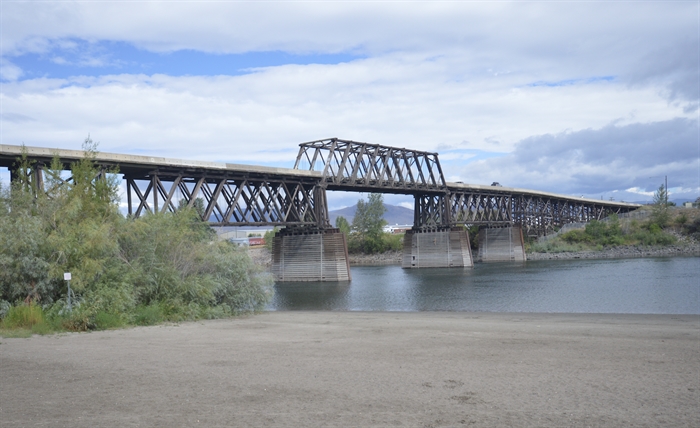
24, 316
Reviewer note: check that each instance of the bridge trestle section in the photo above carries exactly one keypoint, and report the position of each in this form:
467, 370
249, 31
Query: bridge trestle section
542, 215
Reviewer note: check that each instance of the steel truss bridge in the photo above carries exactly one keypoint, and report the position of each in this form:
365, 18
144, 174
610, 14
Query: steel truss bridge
247, 195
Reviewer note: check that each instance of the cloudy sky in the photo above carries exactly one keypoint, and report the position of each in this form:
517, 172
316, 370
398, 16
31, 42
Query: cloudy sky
598, 99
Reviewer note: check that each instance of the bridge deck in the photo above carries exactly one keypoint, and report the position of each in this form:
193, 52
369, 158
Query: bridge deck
136, 164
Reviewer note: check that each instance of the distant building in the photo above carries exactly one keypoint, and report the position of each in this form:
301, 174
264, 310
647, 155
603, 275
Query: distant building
397, 228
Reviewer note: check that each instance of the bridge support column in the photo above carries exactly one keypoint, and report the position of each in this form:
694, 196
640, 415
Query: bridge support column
503, 244
310, 255
441, 248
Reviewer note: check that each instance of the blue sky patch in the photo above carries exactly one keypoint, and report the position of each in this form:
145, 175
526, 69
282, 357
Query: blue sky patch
569, 82
81, 58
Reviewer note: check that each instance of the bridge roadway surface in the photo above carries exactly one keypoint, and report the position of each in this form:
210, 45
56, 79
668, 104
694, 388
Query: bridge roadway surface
270, 182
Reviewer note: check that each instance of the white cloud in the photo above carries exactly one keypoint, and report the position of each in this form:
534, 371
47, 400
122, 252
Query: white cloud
9, 71
494, 77
632, 158
385, 100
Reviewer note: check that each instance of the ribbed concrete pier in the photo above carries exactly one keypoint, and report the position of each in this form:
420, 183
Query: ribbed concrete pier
446, 248
310, 256
503, 244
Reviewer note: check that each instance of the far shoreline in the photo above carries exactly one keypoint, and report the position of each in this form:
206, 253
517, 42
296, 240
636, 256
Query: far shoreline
262, 256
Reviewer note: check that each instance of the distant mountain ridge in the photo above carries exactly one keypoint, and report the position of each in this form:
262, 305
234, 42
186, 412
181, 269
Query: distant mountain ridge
394, 214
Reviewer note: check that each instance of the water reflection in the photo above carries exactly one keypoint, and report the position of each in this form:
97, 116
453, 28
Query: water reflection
655, 285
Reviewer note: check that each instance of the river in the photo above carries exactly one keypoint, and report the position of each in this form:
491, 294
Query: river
643, 286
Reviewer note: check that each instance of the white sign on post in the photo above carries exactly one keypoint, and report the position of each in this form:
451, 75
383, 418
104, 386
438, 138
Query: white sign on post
66, 276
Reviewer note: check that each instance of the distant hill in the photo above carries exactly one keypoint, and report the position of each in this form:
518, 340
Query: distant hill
394, 214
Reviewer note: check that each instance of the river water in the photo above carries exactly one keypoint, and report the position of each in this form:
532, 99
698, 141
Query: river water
643, 286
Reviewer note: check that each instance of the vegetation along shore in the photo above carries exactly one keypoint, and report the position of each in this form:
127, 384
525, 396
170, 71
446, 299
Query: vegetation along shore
159, 267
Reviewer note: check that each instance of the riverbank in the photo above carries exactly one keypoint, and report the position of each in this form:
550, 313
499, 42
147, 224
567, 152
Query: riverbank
623, 252
377, 369
262, 257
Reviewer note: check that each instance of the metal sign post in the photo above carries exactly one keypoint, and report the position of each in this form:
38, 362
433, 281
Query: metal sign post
67, 277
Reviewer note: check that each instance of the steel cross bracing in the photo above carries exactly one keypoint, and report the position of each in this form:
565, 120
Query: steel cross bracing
349, 165
231, 199
538, 214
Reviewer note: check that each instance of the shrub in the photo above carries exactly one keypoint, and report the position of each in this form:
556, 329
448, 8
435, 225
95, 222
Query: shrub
681, 220
147, 315
576, 236
23, 316
393, 241
106, 320
164, 266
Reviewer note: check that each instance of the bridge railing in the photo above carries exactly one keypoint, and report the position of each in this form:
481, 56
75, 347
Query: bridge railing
361, 166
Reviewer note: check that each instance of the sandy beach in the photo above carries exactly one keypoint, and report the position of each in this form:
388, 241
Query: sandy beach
344, 369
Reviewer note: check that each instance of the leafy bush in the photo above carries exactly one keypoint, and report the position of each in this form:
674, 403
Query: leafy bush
576, 236
269, 238
147, 315
106, 320
693, 228
681, 220
393, 241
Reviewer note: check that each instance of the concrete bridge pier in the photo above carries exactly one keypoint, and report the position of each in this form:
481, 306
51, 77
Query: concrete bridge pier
502, 244
306, 254
437, 248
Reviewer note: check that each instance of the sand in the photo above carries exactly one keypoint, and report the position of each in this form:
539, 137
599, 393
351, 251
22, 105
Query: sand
308, 369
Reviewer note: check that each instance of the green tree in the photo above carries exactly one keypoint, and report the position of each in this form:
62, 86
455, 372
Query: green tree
369, 216
24, 273
369, 222
660, 214
269, 238
342, 224
197, 205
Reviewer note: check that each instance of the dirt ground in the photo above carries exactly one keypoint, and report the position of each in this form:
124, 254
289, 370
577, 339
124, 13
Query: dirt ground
344, 369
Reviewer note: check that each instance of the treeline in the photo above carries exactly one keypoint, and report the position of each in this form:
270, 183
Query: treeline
366, 233
160, 267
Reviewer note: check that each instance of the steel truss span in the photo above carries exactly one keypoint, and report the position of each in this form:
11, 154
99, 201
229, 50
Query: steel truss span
349, 165
231, 200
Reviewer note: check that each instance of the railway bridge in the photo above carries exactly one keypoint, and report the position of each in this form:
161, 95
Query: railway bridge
308, 248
